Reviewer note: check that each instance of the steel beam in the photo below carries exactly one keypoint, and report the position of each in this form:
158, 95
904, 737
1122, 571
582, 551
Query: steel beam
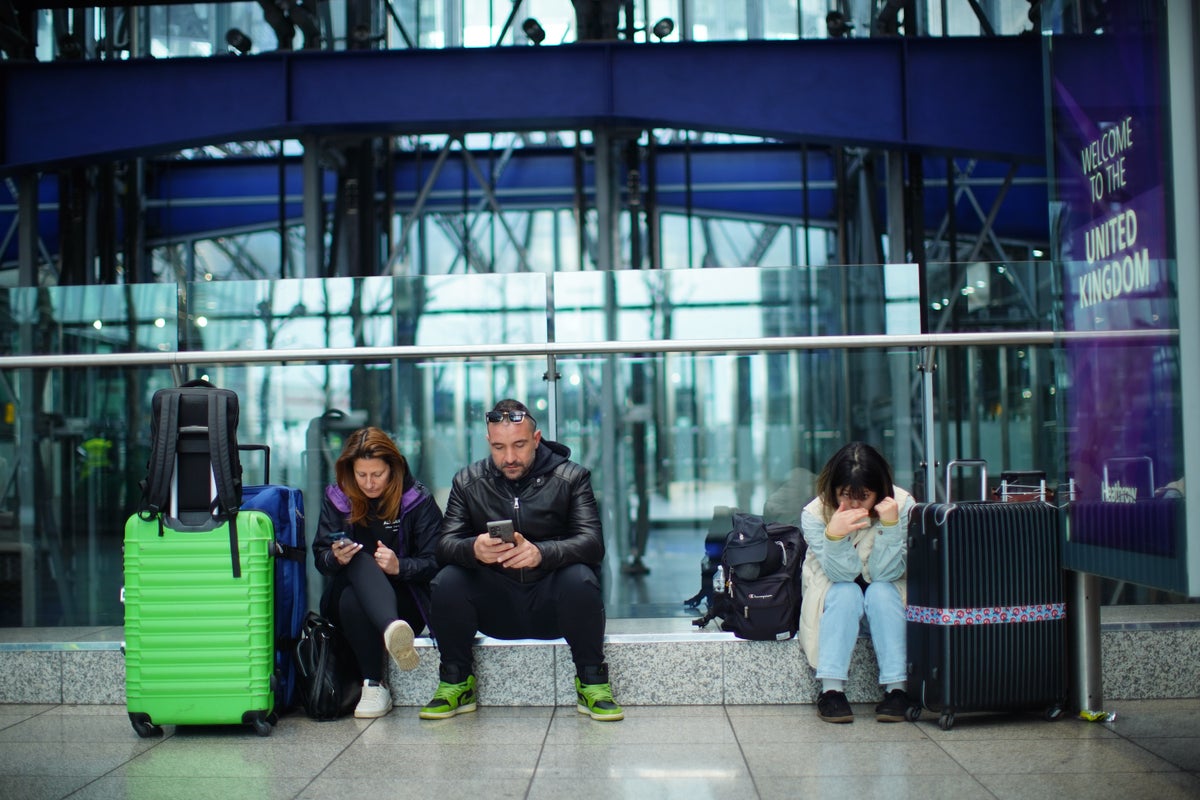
885, 93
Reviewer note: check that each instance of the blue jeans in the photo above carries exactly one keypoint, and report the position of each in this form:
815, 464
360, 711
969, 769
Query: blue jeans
845, 606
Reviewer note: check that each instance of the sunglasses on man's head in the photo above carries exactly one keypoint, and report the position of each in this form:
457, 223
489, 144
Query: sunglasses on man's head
513, 416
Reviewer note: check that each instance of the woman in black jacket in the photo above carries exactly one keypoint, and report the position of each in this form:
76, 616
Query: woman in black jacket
377, 539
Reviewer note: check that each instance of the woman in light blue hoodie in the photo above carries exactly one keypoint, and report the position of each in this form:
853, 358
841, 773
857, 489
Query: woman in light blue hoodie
857, 534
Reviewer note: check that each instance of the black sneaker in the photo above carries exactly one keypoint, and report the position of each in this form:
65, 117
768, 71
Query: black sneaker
596, 700
450, 699
833, 707
894, 707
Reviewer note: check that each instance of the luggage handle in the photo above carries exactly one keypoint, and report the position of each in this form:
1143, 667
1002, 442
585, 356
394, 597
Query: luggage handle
266, 451
968, 462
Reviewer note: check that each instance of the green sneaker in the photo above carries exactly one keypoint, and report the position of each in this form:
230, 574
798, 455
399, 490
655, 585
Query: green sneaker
451, 699
596, 700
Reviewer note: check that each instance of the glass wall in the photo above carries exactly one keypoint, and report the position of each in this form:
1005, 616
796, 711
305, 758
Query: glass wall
664, 383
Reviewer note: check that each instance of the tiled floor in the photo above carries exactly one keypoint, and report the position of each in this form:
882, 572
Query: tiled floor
1151, 750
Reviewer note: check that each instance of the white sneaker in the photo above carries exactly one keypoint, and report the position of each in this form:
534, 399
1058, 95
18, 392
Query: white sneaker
398, 639
376, 701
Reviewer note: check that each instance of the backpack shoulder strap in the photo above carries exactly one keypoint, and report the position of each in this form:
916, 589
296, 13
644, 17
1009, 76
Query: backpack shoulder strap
156, 488
228, 486
228, 499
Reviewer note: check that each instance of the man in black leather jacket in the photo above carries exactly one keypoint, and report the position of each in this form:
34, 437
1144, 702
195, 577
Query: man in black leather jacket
543, 584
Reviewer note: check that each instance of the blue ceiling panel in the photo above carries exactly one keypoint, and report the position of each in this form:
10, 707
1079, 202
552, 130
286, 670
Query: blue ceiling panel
1024, 212
47, 217
821, 91
68, 111
962, 95
923, 94
748, 181
191, 197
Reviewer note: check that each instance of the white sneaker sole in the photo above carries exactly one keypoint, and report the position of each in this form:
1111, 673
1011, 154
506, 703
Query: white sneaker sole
398, 639
372, 713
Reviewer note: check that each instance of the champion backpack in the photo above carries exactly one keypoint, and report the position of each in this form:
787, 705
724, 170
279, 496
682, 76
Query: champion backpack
326, 670
756, 593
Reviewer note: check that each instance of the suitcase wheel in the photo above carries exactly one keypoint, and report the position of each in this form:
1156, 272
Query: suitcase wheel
913, 713
260, 720
946, 720
144, 727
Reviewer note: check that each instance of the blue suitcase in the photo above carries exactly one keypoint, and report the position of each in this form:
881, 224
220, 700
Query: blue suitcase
285, 506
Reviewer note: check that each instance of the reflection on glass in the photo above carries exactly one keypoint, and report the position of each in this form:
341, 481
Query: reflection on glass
749, 303
90, 319
340, 313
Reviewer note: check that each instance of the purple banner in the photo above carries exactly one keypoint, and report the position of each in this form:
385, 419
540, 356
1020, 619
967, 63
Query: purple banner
1111, 189
1109, 184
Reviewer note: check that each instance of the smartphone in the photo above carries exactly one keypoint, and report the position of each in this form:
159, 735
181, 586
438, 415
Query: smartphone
501, 529
337, 536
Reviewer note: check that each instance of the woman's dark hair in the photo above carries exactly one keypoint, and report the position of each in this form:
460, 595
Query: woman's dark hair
371, 443
857, 467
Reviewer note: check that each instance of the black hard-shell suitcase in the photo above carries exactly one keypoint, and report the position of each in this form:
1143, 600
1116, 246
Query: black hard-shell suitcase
986, 607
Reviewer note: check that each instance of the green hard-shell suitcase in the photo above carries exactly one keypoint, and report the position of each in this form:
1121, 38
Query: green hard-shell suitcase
199, 641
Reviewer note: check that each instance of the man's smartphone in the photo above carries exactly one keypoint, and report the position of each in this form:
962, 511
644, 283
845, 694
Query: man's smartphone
501, 529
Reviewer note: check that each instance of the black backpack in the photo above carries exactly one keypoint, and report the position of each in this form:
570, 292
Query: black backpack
326, 671
194, 474
758, 592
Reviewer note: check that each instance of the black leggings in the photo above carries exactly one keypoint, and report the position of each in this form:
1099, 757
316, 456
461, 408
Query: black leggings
363, 602
566, 603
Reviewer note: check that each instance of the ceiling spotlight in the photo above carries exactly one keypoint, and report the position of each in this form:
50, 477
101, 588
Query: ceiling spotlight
238, 42
533, 30
663, 28
837, 26
69, 47
362, 38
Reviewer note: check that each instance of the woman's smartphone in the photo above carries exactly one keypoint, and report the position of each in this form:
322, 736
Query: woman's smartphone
501, 529
337, 536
